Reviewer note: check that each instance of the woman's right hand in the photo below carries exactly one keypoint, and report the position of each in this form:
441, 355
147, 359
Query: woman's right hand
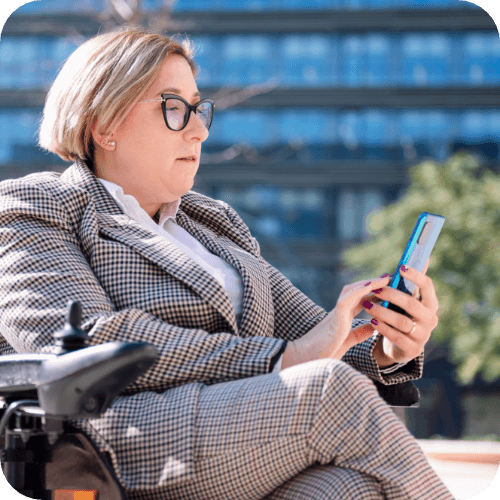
333, 336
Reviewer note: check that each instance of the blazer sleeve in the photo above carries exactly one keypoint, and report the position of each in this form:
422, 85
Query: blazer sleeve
296, 314
42, 266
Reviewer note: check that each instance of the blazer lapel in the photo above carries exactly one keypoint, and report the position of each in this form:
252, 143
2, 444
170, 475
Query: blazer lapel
257, 308
169, 257
113, 223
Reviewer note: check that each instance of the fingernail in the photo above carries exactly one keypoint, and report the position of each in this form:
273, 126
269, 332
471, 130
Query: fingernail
385, 275
404, 268
374, 322
378, 290
367, 304
366, 284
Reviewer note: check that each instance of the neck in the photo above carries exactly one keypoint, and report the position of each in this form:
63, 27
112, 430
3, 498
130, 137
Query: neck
109, 171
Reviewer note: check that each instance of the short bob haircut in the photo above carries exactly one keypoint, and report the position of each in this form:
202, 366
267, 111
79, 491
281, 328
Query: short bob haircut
99, 84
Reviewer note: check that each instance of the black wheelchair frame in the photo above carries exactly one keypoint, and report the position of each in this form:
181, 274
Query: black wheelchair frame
43, 455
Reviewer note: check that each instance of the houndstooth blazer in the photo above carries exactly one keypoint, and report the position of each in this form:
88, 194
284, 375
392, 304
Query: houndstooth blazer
63, 237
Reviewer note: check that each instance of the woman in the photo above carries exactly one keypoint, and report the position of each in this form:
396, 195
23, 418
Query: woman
249, 398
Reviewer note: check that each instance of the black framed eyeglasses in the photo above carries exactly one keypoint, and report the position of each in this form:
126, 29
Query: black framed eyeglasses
176, 111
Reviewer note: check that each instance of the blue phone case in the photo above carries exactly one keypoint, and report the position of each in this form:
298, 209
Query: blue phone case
416, 253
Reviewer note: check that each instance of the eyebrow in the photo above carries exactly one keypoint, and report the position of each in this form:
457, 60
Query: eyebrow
171, 90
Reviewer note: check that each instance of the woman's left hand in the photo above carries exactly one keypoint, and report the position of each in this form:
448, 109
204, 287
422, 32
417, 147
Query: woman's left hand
404, 338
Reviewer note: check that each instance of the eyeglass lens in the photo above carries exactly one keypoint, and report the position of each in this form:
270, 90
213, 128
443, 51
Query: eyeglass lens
177, 113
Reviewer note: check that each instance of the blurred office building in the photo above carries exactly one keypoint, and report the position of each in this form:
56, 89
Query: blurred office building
340, 98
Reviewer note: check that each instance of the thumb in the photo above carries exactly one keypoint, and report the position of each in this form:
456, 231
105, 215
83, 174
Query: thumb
360, 334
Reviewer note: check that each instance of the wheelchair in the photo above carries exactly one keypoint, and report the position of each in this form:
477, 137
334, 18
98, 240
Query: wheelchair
45, 457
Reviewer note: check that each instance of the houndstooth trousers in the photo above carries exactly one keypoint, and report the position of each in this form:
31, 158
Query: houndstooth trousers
314, 431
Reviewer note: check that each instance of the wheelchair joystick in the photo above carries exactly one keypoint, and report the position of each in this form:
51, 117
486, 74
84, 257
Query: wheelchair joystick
71, 337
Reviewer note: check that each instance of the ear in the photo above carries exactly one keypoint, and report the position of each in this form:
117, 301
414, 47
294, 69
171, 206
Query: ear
104, 141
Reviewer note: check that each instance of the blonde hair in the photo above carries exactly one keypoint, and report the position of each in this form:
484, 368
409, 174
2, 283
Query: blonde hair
100, 83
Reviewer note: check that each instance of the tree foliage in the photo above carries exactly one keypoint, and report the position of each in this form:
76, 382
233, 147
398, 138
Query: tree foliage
465, 263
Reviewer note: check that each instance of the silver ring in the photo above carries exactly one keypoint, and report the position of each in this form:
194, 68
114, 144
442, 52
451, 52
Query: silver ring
413, 329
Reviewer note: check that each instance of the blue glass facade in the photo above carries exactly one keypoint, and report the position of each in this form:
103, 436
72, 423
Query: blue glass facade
32, 62
252, 5
360, 60
313, 62
259, 5
18, 131
370, 127
281, 213
302, 60
290, 214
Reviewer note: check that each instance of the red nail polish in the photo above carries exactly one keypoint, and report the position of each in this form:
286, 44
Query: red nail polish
367, 304
385, 275
404, 268
378, 290
374, 322
366, 284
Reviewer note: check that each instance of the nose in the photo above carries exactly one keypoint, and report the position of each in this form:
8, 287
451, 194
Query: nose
195, 129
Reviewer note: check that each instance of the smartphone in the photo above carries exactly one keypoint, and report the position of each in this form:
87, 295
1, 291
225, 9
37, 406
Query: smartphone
417, 251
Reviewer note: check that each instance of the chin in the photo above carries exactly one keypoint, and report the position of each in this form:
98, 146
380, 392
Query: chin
189, 184
182, 189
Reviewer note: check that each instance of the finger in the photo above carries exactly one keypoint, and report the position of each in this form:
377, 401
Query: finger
426, 266
403, 341
364, 283
413, 306
396, 320
370, 291
408, 303
362, 333
374, 298
427, 290
417, 289
416, 292
352, 295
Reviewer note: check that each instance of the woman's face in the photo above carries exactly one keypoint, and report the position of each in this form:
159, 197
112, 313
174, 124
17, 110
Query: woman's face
149, 160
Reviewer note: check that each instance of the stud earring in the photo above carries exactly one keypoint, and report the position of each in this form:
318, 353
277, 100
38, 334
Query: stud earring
105, 142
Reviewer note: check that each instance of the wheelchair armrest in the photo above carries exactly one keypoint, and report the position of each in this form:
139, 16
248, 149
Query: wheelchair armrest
19, 373
78, 384
77, 381
82, 384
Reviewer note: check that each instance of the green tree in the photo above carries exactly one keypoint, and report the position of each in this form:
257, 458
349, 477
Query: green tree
465, 263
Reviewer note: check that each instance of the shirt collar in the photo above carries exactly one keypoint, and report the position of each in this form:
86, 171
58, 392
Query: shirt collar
168, 211
131, 207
